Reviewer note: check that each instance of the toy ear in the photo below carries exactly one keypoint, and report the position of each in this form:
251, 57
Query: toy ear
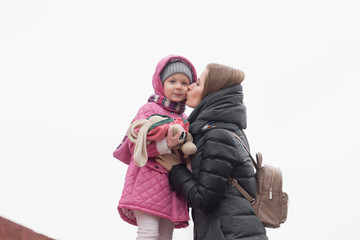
141, 139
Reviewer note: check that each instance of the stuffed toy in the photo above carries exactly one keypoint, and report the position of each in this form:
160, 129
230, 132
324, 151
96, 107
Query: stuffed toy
155, 128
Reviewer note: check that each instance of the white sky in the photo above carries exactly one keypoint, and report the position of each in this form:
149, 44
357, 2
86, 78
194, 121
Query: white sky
74, 73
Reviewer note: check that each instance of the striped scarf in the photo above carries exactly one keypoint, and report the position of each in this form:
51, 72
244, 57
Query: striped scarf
167, 103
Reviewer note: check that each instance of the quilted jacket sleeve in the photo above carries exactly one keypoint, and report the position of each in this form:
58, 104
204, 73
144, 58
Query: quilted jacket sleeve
213, 166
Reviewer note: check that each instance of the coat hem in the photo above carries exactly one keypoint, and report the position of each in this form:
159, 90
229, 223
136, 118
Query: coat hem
179, 223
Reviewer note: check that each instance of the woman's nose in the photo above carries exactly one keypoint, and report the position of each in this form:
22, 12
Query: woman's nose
191, 86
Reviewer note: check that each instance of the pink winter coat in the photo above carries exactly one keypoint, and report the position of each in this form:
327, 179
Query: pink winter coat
147, 188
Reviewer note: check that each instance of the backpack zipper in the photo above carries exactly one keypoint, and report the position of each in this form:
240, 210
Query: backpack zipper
272, 182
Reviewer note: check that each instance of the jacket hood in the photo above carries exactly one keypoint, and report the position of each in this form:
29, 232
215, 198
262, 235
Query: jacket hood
156, 81
223, 109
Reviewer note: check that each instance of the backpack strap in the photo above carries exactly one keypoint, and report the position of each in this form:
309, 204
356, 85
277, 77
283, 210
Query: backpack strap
235, 184
257, 166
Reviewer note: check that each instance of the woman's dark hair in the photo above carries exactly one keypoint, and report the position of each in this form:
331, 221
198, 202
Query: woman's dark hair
220, 77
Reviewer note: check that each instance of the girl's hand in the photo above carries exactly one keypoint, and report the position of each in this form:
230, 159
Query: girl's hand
171, 139
169, 160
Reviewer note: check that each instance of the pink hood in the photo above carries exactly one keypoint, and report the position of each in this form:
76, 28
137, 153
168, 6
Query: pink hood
157, 84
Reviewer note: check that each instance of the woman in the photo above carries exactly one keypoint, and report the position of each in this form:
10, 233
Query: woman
219, 210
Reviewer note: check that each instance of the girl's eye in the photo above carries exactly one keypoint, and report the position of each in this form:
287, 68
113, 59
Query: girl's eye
185, 83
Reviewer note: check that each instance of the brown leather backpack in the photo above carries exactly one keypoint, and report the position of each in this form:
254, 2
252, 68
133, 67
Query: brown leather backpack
270, 203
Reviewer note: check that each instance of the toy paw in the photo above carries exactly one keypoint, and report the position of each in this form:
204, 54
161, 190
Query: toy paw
188, 148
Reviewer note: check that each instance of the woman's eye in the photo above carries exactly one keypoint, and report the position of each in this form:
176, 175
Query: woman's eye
197, 83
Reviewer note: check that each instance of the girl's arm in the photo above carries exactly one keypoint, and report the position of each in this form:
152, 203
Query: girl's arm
162, 141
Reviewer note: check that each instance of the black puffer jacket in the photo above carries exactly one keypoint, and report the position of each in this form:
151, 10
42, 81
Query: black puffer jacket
219, 211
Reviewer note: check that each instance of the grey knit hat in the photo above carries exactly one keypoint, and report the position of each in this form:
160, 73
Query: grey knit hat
175, 67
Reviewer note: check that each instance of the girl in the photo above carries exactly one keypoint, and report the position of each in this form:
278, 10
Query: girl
219, 211
147, 199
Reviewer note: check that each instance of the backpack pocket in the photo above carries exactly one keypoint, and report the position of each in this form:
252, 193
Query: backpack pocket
284, 207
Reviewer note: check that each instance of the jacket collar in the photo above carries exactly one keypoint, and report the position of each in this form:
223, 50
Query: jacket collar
220, 109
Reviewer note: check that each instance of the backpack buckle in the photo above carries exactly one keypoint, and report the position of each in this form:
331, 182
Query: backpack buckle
233, 182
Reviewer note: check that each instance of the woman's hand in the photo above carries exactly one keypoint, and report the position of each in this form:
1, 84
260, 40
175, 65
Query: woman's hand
169, 160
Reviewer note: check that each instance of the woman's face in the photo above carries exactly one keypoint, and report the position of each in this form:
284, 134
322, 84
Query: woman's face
195, 90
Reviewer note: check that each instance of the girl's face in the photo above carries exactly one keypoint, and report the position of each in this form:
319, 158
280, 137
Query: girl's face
176, 87
195, 90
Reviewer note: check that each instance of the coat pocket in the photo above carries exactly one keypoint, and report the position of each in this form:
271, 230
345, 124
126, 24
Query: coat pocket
284, 207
